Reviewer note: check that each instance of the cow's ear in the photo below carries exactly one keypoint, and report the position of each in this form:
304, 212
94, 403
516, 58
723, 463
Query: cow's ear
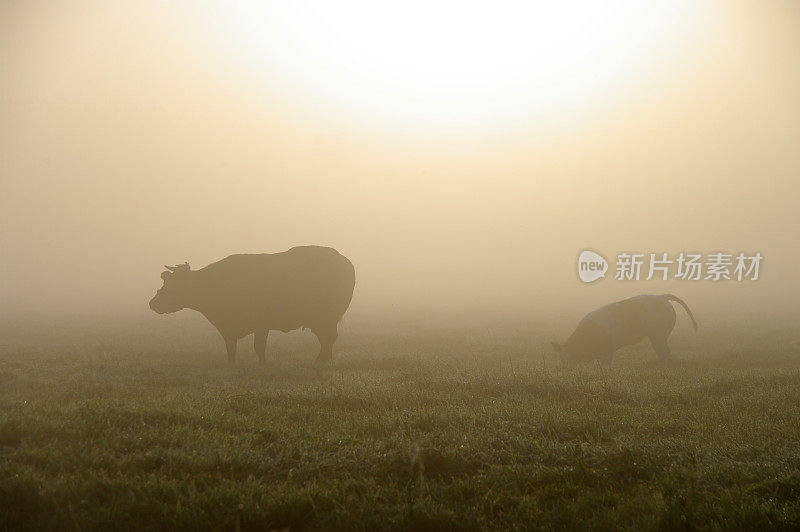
556, 346
166, 275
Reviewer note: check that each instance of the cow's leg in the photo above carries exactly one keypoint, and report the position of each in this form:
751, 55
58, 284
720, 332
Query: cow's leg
327, 335
230, 345
660, 346
260, 344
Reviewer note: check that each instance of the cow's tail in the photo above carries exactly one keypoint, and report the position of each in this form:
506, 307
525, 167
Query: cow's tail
670, 297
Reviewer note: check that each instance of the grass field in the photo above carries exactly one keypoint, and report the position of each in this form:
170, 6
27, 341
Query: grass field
141, 424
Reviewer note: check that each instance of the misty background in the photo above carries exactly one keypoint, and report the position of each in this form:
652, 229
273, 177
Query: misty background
134, 135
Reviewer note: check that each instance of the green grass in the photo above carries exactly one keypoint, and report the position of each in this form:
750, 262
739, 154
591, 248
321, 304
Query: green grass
142, 425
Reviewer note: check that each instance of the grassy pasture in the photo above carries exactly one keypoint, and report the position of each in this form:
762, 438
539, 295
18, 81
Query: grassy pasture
140, 424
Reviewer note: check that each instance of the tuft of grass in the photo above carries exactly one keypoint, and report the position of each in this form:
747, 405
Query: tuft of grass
10, 434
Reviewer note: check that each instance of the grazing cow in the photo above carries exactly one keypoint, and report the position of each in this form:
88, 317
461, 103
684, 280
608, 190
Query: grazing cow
626, 322
306, 286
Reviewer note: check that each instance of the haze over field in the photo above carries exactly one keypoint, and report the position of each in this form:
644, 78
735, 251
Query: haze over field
437, 374
461, 172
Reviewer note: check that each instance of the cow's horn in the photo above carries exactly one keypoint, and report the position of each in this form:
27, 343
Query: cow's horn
170, 268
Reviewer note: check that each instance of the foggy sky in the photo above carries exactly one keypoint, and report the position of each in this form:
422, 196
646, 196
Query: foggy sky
131, 137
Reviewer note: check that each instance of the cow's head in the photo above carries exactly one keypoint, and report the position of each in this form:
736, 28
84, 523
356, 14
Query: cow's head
173, 296
563, 353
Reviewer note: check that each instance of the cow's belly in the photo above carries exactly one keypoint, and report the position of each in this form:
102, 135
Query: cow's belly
629, 338
251, 326
245, 315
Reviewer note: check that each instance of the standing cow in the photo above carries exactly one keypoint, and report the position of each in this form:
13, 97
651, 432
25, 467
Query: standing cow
626, 322
306, 286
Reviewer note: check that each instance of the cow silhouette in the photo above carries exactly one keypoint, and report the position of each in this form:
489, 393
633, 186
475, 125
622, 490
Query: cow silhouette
627, 322
306, 286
